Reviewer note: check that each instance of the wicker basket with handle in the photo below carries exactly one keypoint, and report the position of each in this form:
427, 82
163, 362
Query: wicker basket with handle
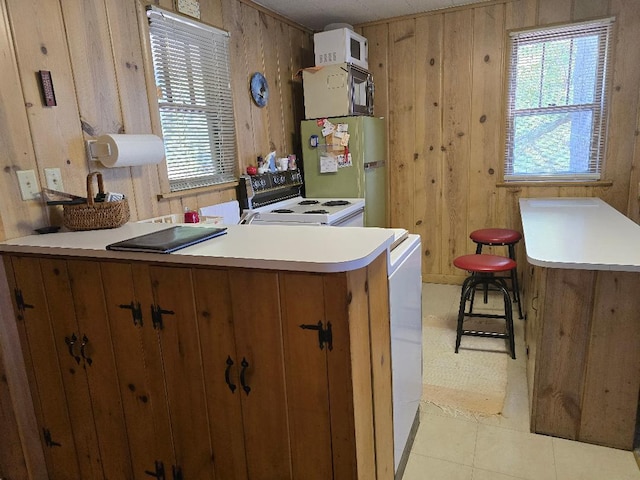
95, 215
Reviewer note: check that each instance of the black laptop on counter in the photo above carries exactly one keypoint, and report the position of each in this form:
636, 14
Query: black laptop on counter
168, 240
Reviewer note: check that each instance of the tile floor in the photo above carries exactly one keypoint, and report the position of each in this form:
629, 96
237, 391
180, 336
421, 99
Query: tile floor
502, 448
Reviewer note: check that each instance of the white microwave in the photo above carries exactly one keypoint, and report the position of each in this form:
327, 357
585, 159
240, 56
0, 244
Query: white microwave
341, 45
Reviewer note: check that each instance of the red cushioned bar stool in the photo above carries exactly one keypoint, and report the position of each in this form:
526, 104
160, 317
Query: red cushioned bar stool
501, 237
483, 269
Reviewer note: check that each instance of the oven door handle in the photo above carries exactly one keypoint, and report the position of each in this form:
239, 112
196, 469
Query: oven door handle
248, 216
348, 218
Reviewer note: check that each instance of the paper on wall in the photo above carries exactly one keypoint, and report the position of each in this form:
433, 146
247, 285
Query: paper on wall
328, 130
344, 161
328, 164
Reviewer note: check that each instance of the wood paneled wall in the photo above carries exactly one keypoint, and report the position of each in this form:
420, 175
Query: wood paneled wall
97, 52
440, 83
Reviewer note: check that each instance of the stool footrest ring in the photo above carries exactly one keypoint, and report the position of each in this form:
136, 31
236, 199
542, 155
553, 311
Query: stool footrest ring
484, 315
478, 333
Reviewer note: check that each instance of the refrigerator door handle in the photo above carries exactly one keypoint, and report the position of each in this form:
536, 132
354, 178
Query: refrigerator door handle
378, 164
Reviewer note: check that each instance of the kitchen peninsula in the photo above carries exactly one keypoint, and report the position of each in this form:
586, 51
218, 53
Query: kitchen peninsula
583, 325
263, 353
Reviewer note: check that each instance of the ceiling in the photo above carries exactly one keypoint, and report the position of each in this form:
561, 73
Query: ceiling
315, 14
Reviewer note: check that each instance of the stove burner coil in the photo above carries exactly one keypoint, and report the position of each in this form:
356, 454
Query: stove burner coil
281, 210
316, 211
335, 203
309, 202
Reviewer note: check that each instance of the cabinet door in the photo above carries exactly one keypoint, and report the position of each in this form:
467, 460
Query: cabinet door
96, 350
139, 365
308, 395
182, 364
319, 380
221, 372
41, 358
76, 303
257, 328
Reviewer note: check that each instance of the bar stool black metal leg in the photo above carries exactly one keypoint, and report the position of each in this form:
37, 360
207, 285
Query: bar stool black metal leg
509, 323
461, 309
514, 282
472, 297
508, 317
484, 285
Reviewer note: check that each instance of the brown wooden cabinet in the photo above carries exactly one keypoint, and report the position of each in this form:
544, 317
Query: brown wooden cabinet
582, 337
139, 370
68, 352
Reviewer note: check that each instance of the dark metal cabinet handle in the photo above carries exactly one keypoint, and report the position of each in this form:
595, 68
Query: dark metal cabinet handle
71, 341
325, 336
87, 359
244, 365
156, 316
48, 440
136, 312
21, 303
159, 473
177, 472
231, 386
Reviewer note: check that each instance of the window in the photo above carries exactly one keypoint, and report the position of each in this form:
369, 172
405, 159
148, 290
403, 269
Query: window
191, 67
556, 105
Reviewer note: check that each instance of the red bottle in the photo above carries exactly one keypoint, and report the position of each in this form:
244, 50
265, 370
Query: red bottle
191, 216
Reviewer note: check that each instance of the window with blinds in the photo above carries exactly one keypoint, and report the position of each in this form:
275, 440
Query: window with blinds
557, 102
191, 66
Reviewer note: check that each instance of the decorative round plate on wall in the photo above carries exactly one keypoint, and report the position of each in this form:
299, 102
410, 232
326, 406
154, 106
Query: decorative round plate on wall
259, 89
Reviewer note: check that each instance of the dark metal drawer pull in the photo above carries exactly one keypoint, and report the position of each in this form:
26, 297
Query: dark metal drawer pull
232, 386
71, 341
85, 340
244, 365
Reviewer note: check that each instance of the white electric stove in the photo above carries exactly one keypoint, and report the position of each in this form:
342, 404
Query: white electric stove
338, 212
274, 198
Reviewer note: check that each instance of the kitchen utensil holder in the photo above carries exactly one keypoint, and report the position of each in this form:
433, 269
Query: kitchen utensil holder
96, 215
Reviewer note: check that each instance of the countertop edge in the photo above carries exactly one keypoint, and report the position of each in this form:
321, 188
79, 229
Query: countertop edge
288, 257
582, 266
546, 227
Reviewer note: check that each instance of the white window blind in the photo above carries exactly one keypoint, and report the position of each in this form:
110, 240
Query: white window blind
557, 102
191, 66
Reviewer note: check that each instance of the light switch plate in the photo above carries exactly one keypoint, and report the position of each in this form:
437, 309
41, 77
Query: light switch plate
54, 179
29, 188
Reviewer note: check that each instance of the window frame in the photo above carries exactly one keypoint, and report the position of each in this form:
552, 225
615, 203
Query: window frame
218, 143
600, 105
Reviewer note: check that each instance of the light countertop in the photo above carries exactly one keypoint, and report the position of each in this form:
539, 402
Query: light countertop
299, 248
579, 233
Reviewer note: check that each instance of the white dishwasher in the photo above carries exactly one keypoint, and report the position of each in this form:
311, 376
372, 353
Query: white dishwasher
405, 305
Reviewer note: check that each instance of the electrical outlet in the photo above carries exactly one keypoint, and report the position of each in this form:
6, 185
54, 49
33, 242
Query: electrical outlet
29, 188
54, 179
